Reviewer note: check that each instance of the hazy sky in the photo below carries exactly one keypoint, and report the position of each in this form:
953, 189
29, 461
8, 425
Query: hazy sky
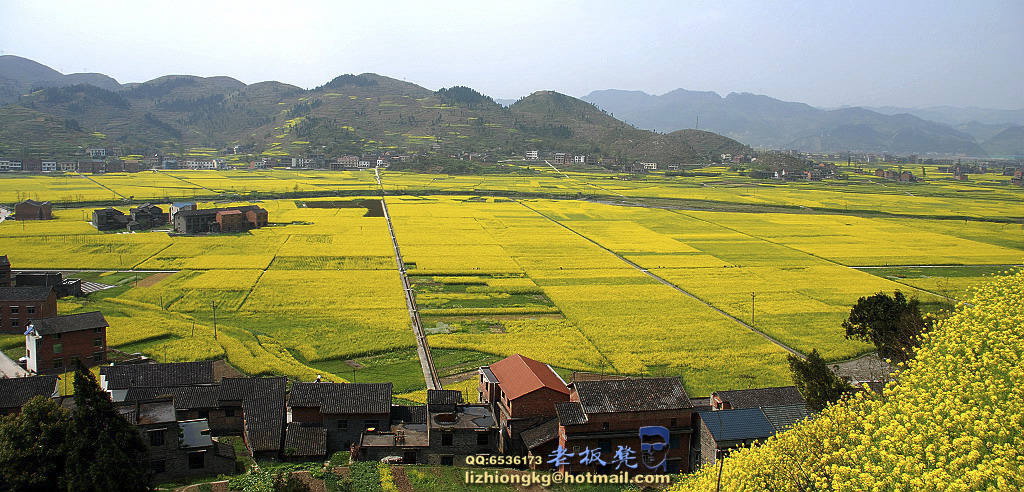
826, 53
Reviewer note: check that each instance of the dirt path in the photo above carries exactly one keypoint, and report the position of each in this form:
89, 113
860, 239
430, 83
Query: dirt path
154, 279
400, 479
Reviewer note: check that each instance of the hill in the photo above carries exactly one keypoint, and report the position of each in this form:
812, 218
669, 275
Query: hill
764, 121
20, 75
952, 420
1007, 143
349, 114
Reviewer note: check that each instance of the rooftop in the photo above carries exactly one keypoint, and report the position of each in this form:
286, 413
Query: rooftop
157, 375
342, 398
185, 397
305, 440
785, 416
24, 293
761, 397
520, 375
737, 425
15, 392
632, 395
570, 413
542, 434
147, 412
68, 323
263, 402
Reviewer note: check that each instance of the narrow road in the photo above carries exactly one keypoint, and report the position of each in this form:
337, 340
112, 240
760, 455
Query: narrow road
672, 285
422, 347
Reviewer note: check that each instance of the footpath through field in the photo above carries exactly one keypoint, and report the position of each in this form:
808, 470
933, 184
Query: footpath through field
422, 347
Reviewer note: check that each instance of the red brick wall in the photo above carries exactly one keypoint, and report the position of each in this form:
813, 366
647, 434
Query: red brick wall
76, 344
25, 211
307, 414
43, 309
535, 403
627, 423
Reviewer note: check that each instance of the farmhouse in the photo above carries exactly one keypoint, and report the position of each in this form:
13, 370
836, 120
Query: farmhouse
15, 392
344, 410
20, 304
606, 414
5, 271
522, 394
146, 216
53, 344
109, 219
231, 219
62, 287
33, 210
758, 397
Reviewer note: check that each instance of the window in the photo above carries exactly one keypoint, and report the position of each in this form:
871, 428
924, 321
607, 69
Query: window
97, 330
197, 460
229, 412
58, 363
15, 323
342, 424
57, 336
673, 441
158, 466
447, 439
14, 309
604, 426
31, 309
674, 423
98, 356
448, 460
58, 348
482, 438
97, 342
156, 437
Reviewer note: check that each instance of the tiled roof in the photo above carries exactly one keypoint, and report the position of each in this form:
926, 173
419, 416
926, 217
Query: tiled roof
35, 203
68, 323
632, 395
158, 411
14, 392
761, 397
308, 440
342, 398
444, 397
263, 403
214, 211
185, 397
783, 417
409, 414
542, 434
701, 404
24, 293
518, 375
570, 413
158, 375
737, 425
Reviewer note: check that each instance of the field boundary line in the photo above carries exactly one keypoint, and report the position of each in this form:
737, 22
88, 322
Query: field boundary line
101, 185
672, 285
161, 171
422, 346
150, 257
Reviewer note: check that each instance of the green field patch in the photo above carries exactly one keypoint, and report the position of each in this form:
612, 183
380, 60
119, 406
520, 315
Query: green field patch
332, 263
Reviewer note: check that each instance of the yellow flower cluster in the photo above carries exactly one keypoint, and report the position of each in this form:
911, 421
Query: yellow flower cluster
952, 420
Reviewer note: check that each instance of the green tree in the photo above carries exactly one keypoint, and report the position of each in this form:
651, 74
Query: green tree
32, 447
104, 451
893, 324
816, 382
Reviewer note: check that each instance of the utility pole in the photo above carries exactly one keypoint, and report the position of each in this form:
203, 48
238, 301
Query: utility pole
751, 308
214, 305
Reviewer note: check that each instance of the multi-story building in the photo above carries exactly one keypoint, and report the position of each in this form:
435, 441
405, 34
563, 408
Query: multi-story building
33, 210
18, 305
522, 394
15, 392
231, 219
345, 410
53, 344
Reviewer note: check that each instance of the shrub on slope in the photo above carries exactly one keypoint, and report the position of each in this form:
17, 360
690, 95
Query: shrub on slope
953, 420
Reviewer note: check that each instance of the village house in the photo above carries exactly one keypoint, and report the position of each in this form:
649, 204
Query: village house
562, 158
5, 272
605, 414
146, 216
521, 393
53, 344
96, 153
15, 392
179, 206
532, 155
62, 287
203, 164
18, 305
33, 210
345, 162
109, 219
231, 219
345, 410
261, 404
757, 397
177, 448
118, 379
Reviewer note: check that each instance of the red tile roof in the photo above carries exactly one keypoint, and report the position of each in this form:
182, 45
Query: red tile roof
518, 375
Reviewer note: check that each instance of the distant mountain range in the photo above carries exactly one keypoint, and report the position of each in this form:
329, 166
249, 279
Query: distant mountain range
762, 121
45, 112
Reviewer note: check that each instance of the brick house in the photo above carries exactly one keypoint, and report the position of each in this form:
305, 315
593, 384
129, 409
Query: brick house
345, 410
260, 403
15, 392
119, 379
33, 210
231, 221
53, 344
109, 219
213, 219
177, 448
522, 394
146, 216
606, 414
18, 305
61, 286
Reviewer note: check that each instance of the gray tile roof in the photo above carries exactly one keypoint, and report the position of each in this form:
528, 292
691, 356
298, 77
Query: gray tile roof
158, 375
342, 398
263, 403
185, 397
761, 397
25, 293
15, 392
68, 323
632, 395
305, 440
785, 416
409, 414
444, 397
159, 411
541, 434
570, 413
737, 425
